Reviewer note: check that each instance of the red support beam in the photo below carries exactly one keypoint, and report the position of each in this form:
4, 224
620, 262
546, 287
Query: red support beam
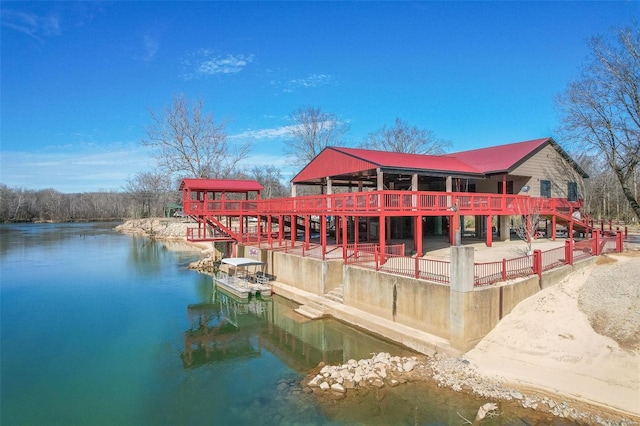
323, 235
382, 240
418, 236
489, 231
343, 219
356, 229
293, 229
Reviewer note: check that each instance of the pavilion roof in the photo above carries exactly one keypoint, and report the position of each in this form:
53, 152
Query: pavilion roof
339, 161
224, 185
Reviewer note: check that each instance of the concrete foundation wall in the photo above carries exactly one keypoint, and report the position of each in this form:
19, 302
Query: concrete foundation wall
414, 303
479, 313
459, 313
512, 294
313, 275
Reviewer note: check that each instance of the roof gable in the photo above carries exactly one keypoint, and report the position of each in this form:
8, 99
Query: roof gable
332, 161
501, 158
505, 158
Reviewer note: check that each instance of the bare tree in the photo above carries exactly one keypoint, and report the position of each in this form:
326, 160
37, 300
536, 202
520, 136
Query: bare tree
270, 178
526, 223
311, 131
406, 139
189, 142
152, 191
601, 110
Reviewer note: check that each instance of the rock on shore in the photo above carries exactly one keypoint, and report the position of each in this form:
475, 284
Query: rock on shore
163, 228
172, 229
383, 370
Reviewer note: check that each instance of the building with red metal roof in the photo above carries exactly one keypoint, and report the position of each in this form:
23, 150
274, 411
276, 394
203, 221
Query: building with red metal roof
540, 166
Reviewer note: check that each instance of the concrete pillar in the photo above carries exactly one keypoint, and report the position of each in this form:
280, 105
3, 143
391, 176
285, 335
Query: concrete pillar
460, 298
294, 190
380, 179
503, 224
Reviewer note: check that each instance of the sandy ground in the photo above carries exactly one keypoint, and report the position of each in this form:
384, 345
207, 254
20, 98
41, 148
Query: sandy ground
550, 340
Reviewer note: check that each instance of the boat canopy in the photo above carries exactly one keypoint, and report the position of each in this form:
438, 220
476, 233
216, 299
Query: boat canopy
241, 261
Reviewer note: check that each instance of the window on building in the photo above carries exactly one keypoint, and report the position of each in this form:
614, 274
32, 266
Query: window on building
509, 187
545, 188
572, 191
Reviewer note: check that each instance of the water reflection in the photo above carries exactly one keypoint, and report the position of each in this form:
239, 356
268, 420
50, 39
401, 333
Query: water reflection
229, 328
19, 236
223, 330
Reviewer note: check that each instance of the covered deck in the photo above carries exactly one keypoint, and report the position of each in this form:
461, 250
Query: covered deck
376, 197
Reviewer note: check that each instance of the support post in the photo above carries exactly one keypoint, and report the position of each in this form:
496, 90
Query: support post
306, 231
489, 231
343, 219
382, 240
537, 263
619, 242
461, 309
418, 228
568, 252
323, 235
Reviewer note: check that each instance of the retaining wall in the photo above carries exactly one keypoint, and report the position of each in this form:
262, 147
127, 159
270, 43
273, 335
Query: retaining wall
459, 312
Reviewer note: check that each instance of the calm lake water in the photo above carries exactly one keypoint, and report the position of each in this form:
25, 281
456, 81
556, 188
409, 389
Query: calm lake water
103, 328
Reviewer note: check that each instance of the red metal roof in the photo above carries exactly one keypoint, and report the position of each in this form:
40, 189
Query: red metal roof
411, 161
500, 158
334, 161
227, 185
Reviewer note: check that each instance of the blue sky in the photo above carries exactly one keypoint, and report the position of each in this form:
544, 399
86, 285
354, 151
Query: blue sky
78, 79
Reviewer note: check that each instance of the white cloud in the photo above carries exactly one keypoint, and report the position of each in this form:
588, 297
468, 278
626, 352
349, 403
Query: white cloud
273, 133
310, 81
204, 62
31, 24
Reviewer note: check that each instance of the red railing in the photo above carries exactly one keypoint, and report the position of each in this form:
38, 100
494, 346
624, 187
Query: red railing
382, 202
433, 270
207, 234
553, 258
485, 273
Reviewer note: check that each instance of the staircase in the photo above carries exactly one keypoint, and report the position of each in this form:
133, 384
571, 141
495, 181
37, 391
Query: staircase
337, 294
311, 310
